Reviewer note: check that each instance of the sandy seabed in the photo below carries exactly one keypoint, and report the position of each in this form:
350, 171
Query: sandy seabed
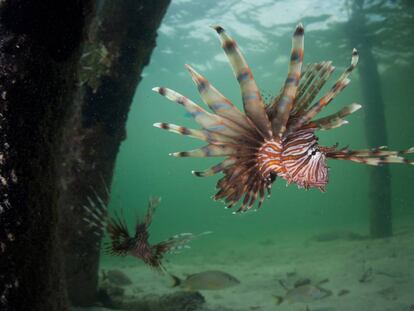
379, 274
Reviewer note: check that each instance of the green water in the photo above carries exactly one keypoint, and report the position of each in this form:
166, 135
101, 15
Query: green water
263, 30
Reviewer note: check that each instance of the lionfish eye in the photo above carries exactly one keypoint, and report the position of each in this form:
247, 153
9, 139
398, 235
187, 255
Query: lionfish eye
313, 152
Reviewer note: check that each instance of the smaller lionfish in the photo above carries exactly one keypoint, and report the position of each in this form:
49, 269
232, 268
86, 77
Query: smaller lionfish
270, 140
123, 243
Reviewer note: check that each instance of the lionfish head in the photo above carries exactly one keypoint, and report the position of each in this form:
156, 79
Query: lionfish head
309, 170
304, 161
297, 158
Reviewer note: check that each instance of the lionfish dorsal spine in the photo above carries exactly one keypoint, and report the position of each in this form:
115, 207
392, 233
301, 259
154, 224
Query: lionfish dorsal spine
252, 100
337, 119
287, 98
339, 85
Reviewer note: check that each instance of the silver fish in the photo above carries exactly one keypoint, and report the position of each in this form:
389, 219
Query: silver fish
303, 293
206, 280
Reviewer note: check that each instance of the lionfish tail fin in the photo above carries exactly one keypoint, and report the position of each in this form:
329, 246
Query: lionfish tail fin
121, 241
375, 156
176, 281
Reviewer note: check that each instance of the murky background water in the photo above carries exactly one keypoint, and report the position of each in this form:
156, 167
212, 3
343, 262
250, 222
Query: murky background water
263, 30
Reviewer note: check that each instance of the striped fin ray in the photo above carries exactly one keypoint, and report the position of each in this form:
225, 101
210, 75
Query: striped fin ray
375, 152
216, 168
336, 120
180, 241
375, 156
339, 85
216, 101
250, 193
252, 100
241, 181
199, 134
210, 122
96, 215
182, 130
153, 203
232, 184
117, 229
306, 78
211, 150
308, 89
285, 103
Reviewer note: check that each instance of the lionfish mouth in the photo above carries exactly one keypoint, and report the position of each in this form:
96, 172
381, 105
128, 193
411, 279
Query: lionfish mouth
270, 140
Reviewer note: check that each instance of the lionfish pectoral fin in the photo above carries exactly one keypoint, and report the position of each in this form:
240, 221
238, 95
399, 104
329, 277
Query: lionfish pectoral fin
219, 126
95, 214
252, 100
216, 168
212, 150
181, 130
241, 183
215, 100
178, 242
204, 135
202, 117
287, 98
120, 239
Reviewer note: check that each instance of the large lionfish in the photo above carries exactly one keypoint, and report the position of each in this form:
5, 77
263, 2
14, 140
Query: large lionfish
270, 140
122, 243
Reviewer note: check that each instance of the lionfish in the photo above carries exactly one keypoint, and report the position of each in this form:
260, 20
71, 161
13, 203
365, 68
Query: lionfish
122, 243
270, 140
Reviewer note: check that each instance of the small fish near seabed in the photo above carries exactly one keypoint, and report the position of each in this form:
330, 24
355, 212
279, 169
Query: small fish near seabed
206, 280
122, 243
275, 139
303, 292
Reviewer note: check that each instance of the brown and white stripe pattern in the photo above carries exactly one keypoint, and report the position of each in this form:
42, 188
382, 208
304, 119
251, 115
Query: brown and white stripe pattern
122, 243
304, 162
269, 158
286, 100
277, 140
339, 85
